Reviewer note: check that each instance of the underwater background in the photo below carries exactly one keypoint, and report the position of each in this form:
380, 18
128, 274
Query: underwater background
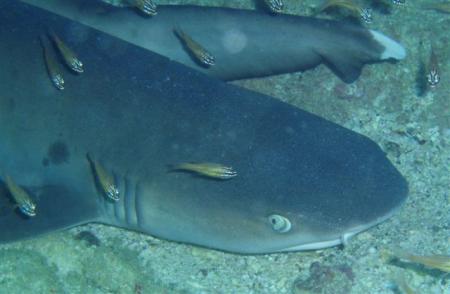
388, 103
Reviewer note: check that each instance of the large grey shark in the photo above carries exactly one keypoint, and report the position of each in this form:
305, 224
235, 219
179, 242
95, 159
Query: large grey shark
245, 43
302, 182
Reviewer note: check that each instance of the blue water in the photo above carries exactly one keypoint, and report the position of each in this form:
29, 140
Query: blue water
387, 103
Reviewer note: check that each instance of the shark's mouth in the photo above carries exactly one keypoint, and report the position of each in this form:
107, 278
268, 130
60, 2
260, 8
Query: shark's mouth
340, 240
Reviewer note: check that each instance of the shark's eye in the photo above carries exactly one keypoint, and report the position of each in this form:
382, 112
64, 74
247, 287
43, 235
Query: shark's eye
279, 223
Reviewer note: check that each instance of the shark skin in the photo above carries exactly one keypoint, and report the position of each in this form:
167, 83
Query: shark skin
137, 113
245, 43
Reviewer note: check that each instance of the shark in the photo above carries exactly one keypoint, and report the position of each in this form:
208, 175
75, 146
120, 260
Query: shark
300, 183
245, 43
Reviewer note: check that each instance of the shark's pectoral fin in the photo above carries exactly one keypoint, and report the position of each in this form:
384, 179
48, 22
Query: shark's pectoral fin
57, 208
347, 67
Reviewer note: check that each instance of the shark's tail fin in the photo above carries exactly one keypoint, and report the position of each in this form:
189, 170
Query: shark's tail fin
56, 208
347, 60
392, 49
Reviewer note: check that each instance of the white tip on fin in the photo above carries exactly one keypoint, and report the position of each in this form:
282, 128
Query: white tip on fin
392, 49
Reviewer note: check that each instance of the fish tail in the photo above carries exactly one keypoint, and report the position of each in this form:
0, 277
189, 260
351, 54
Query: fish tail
59, 208
178, 167
402, 254
369, 47
179, 33
45, 42
89, 159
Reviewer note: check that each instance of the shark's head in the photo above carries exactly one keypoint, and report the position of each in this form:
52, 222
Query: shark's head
278, 201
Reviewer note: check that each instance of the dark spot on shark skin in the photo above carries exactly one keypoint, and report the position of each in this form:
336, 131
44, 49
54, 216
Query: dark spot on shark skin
45, 161
57, 153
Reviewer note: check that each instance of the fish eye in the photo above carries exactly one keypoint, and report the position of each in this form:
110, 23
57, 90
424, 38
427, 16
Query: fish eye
279, 223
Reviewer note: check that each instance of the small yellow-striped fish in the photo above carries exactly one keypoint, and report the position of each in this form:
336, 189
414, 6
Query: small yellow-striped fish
105, 179
353, 9
148, 7
440, 262
200, 53
212, 170
53, 69
275, 6
443, 7
433, 76
21, 197
68, 55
